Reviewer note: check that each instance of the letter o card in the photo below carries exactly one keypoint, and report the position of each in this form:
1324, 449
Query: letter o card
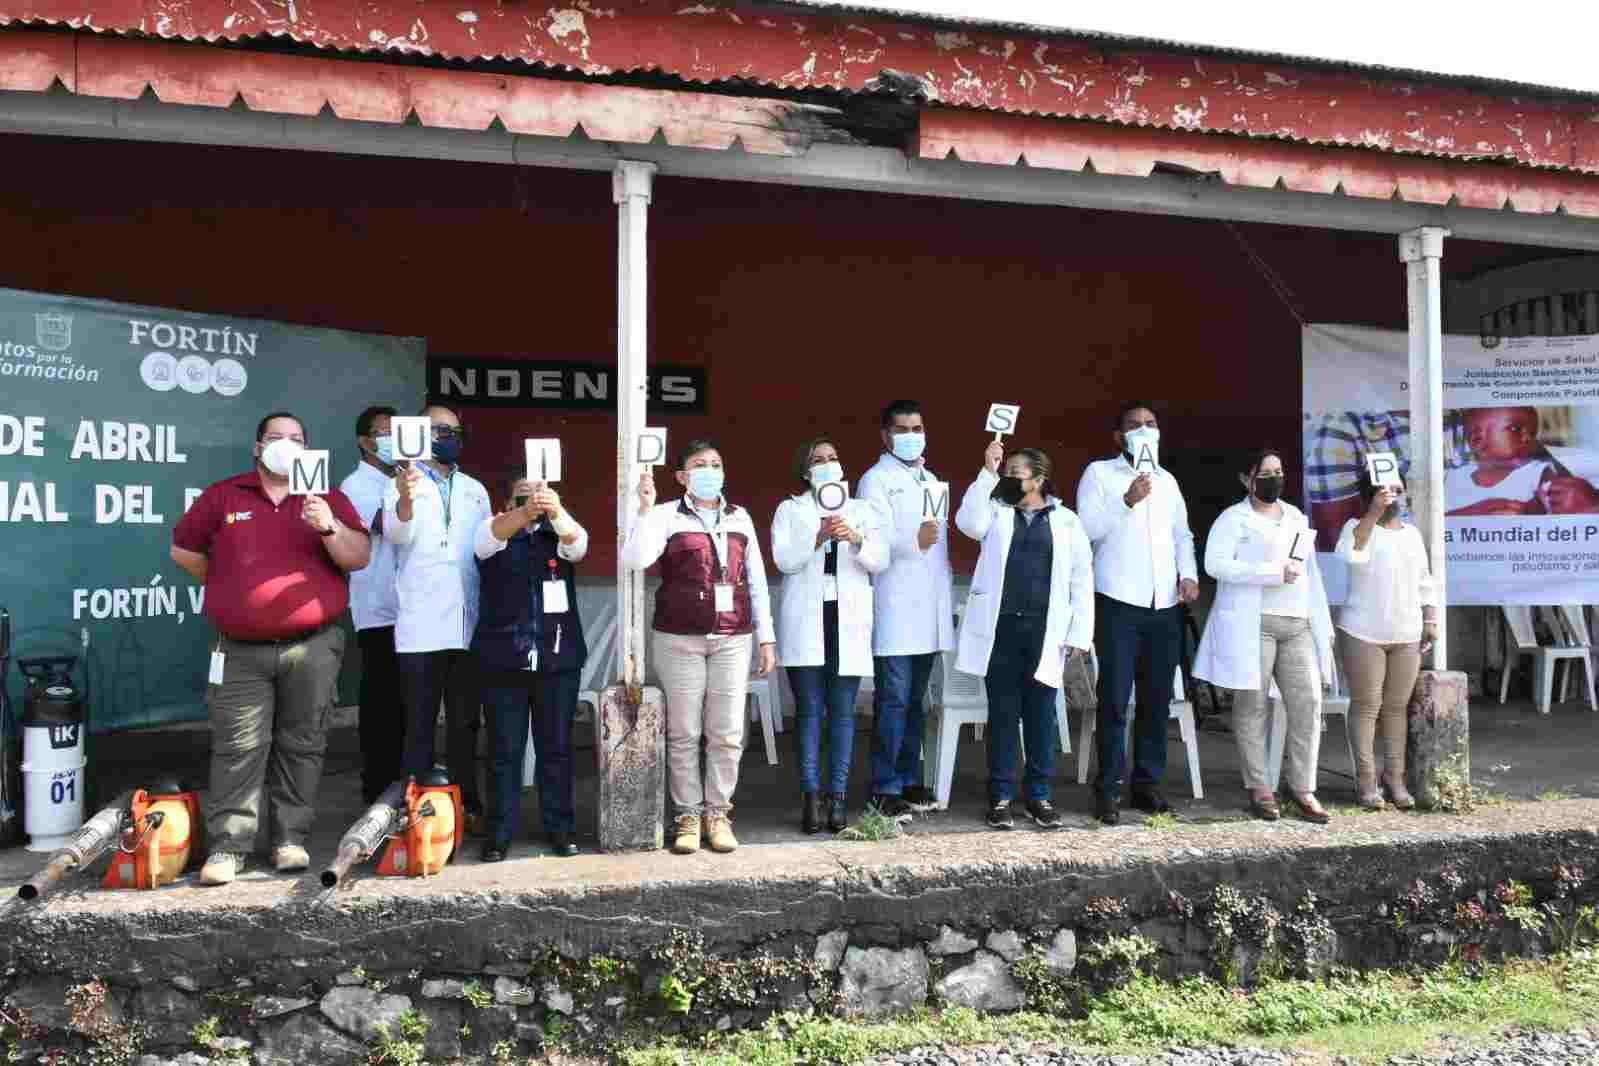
544, 460
413, 437
832, 496
1002, 418
308, 474
1384, 469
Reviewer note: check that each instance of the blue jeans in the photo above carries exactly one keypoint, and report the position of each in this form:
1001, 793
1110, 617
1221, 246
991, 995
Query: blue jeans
1142, 644
821, 695
516, 699
901, 682
1014, 693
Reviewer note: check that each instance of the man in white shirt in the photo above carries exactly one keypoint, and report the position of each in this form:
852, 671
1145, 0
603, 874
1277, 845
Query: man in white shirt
432, 515
1144, 568
373, 607
913, 609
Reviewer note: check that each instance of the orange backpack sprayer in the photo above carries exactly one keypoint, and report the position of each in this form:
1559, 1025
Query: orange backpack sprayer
162, 832
435, 823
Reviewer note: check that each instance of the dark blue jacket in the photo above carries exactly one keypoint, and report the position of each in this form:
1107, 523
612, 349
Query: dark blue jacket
512, 621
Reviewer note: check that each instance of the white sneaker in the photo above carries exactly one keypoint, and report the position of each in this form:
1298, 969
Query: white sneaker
221, 867
290, 858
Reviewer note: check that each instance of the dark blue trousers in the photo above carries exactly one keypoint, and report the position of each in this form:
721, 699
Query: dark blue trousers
515, 700
1142, 645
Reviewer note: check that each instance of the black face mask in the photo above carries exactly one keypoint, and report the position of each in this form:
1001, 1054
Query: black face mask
1009, 490
1268, 489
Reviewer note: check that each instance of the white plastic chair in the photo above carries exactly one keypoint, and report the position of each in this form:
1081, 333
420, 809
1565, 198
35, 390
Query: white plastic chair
762, 700
1518, 622
955, 699
1334, 704
1182, 709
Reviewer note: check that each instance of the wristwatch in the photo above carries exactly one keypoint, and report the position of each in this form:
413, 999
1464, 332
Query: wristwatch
330, 532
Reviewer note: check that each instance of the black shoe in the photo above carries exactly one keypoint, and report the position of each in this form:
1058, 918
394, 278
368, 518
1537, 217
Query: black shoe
920, 797
999, 816
1044, 815
493, 851
811, 813
562, 846
838, 812
891, 806
1107, 809
1150, 801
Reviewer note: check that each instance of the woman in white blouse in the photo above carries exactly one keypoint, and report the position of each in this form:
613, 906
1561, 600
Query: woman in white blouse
1270, 622
1387, 623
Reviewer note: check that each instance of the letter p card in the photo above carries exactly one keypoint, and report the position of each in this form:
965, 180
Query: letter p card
1384, 469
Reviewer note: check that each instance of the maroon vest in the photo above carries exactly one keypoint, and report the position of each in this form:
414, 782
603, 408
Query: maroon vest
685, 604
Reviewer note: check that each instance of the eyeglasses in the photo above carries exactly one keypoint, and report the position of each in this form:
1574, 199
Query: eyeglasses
448, 433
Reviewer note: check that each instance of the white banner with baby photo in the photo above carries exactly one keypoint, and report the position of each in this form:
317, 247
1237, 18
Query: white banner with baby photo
1521, 455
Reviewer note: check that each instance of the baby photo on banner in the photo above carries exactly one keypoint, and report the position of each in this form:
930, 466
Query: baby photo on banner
1521, 455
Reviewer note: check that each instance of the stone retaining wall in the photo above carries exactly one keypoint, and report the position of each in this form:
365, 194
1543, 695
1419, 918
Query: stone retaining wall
500, 976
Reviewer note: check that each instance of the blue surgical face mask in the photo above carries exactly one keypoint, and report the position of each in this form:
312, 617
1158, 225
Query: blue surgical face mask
908, 447
385, 449
705, 482
447, 450
822, 473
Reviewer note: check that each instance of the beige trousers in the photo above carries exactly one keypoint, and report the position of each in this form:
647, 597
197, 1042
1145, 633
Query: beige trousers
1288, 654
1381, 680
706, 680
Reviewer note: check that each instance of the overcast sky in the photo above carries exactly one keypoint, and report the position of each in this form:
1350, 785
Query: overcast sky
1537, 42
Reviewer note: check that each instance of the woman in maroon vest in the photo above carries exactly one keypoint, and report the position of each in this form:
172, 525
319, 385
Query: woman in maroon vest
711, 611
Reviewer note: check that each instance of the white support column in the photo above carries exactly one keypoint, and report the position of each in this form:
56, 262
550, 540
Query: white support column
1421, 250
631, 185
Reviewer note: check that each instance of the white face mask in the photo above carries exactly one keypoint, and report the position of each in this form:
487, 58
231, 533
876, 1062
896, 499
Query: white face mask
822, 473
1143, 443
277, 456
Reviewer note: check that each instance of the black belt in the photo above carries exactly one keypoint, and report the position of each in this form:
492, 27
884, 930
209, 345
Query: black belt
300, 638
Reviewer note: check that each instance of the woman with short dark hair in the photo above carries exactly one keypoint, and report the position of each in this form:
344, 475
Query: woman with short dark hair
711, 612
1270, 622
1388, 621
828, 546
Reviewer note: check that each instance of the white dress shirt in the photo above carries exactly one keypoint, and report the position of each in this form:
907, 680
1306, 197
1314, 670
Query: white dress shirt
1141, 552
1389, 583
374, 602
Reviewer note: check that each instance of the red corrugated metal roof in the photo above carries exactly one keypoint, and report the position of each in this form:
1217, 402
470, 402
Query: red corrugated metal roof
455, 99
1025, 72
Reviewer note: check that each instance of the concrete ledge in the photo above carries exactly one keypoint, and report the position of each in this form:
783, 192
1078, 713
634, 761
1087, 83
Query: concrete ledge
889, 893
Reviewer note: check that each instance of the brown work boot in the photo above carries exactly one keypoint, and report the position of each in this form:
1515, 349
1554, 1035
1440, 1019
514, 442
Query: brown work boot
686, 839
719, 832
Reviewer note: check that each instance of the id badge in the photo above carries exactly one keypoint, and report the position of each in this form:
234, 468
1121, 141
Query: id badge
533, 658
218, 661
724, 598
555, 597
829, 588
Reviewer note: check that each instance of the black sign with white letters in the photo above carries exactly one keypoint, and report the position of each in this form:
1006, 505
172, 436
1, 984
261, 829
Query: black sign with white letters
556, 385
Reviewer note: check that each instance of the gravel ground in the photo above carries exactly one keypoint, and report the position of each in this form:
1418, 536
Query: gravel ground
1518, 1049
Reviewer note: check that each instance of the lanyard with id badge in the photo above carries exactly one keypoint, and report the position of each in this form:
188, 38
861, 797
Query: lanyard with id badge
554, 600
723, 589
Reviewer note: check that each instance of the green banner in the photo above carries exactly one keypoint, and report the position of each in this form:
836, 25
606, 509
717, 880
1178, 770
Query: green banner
113, 418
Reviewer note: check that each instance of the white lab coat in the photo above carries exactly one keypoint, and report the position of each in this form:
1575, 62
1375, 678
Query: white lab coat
914, 599
799, 615
374, 603
437, 576
1246, 553
1071, 582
